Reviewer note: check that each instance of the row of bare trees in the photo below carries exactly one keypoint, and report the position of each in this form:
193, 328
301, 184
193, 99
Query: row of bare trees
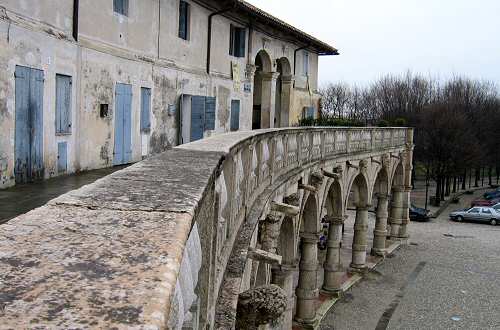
457, 122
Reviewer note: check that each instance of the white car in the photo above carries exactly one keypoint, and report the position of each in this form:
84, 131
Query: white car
496, 207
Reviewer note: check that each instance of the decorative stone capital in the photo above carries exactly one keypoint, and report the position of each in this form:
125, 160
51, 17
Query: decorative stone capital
363, 164
383, 196
269, 76
309, 188
260, 306
250, 71
338, 170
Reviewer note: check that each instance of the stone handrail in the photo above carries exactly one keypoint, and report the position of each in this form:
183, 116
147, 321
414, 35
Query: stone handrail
110, 254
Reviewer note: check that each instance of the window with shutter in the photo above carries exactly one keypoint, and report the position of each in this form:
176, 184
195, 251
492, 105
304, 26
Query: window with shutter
120, 7
184, 20
237, 41
63, 104
145, 110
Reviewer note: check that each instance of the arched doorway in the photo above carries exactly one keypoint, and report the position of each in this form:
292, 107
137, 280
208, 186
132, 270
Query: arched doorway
283, 93
261, 108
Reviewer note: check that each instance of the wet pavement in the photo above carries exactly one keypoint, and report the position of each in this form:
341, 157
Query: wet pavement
26, 197
446, 278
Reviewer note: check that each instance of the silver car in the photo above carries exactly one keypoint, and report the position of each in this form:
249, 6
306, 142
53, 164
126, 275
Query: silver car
477, 214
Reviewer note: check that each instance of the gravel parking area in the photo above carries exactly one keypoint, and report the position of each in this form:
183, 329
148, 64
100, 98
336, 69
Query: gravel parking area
446, 278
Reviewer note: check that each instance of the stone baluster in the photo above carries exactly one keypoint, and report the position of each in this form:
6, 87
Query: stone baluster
359, 243
333, 266
307, 291
380, 232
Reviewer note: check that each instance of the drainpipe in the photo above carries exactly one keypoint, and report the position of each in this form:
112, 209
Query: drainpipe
209, 39
76, 5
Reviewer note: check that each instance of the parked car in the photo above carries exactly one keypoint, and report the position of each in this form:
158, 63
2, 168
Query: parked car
485, 202
492, 194
496, 207
418, 214
477, 214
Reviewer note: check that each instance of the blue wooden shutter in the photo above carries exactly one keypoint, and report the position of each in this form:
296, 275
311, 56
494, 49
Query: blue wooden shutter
183, 19
36, 112
22, 125
145, 109
62, 157
63, 104
127, 124
209, 113
197, 117
235, 115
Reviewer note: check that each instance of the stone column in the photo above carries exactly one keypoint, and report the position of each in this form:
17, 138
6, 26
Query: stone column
359, 243
405, 214
396, 211
333, 265
286, 99
268, 98
380, 232
307, 291
283, 277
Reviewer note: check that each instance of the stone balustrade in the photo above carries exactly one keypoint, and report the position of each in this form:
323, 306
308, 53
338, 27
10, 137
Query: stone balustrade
112, 254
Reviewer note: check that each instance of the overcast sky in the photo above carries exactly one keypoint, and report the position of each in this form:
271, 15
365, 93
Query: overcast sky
440, 38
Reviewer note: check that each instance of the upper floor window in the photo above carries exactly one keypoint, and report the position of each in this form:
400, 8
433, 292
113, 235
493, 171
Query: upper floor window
237, 41
184, 18
306, 63
120, 7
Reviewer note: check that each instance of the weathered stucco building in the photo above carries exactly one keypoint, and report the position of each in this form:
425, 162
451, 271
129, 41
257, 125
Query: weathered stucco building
86, 84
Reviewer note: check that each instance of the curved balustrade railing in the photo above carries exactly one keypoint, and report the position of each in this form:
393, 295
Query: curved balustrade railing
90, 246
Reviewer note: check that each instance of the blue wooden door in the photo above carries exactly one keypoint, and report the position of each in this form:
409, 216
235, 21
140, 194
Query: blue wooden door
235, 115
123, 125
62, 157
197, 117
28, 144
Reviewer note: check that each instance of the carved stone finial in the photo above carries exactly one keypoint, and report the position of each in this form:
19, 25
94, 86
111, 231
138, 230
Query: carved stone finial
338, 170
316, 178
363, 164
293, 199
260, 306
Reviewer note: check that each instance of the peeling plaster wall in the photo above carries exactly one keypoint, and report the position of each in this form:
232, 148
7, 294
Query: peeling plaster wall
19, 46
142, 50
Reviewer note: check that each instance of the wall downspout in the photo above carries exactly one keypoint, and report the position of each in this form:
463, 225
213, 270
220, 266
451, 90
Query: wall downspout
209, 39
76, 5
